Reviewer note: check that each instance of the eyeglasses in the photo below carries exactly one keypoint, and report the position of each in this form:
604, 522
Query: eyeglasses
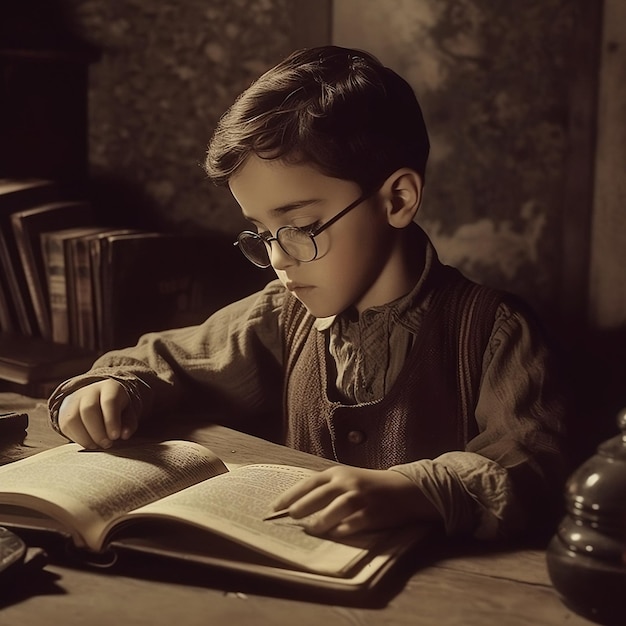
298, 243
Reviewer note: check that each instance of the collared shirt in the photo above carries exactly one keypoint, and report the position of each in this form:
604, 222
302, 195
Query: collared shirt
369, 352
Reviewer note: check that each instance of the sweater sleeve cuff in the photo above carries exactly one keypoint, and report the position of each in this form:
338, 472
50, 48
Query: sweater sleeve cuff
473, 494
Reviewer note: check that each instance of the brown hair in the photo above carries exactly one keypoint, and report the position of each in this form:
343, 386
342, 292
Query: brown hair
336, 108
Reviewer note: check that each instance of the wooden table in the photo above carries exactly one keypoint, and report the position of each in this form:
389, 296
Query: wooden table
457, 585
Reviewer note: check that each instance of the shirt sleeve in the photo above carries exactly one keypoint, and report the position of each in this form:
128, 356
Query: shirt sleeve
229, 358
510, 476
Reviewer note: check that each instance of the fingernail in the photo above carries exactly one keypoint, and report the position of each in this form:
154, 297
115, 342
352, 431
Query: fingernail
105, 443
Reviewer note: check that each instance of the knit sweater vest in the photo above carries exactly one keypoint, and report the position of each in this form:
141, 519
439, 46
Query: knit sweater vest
429, 409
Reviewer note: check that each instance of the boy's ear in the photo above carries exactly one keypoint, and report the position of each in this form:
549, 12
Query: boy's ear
402, 192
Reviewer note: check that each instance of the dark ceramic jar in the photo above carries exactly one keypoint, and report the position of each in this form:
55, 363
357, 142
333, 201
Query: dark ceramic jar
587, 556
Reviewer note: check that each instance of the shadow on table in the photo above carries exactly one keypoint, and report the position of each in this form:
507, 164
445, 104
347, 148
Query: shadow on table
29, 580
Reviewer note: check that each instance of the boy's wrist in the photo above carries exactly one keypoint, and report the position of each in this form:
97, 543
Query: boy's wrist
54, 407
131, 385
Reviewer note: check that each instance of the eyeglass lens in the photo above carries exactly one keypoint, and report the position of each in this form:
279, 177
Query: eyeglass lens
296, 243
254, 248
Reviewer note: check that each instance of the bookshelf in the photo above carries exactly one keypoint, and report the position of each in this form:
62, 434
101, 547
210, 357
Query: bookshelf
72, 288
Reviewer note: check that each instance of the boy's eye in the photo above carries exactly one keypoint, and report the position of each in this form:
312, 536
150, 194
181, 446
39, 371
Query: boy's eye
311, 227
308, 228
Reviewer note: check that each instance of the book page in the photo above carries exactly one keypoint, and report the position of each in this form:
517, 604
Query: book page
234, 504
85, 490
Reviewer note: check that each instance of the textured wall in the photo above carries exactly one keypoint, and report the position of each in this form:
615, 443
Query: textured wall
492, 78
167, 71
608, 267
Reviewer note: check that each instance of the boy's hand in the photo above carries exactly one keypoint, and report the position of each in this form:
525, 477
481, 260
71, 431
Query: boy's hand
94, 416
348, 500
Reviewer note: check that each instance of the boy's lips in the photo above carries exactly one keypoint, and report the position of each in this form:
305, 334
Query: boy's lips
291, 286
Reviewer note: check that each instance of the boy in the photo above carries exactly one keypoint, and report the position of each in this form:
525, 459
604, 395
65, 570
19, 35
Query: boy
439, 396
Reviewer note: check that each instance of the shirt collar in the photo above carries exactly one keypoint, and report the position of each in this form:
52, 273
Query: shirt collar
323, 323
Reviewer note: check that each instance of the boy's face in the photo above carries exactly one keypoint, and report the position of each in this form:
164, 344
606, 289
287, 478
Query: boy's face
357, 260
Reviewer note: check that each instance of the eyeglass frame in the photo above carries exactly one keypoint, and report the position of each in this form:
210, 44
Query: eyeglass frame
267, 240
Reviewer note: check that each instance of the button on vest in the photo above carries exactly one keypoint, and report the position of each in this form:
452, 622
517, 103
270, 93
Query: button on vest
356, 437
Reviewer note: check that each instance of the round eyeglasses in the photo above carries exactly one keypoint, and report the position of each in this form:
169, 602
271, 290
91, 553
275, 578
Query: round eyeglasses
298, 243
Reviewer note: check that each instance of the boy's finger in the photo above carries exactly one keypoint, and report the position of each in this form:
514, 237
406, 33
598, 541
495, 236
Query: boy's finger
93, 422
297, 491
314, 501
357, 522
113, 401
75, 430
335, 512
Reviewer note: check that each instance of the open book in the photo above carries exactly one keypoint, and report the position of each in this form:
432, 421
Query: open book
179, 500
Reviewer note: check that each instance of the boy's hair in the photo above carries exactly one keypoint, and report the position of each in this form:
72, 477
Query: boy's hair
337, 109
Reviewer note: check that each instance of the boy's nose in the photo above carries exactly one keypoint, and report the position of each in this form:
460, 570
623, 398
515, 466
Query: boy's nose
279, 259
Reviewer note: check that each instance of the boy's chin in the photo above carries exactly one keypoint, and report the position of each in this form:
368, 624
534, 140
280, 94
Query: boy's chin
318, 303
319, 314
317, 310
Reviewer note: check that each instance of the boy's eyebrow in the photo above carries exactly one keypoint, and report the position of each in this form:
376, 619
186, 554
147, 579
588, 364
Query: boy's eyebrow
286, 208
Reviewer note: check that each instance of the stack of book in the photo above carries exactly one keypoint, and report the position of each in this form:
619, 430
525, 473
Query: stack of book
71, 288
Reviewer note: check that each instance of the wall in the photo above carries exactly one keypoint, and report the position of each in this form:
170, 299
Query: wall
608, 261
167, 71
606, 349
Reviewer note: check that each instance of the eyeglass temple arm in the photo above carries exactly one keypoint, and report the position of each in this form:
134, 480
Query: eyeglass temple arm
339, 215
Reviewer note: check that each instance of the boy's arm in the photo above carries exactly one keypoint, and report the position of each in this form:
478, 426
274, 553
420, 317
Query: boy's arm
510, 476
220, 357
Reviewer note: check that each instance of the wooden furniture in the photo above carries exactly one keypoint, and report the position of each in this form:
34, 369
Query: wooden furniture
451, 584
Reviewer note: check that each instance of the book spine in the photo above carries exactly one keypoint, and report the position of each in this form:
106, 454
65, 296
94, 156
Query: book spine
6, 320
33, 284
70, 290
54, 254
83, 292
95, 251
20, 299
106, 296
